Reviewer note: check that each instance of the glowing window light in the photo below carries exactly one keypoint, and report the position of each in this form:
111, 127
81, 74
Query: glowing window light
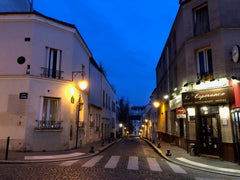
191, 111
224, 112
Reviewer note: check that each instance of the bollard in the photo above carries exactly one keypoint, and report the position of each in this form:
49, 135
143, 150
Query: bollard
92, 149
102, 143
168, 153
6, 155
159, 146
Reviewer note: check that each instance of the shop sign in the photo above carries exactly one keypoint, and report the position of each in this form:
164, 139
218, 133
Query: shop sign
176, 102
214, 96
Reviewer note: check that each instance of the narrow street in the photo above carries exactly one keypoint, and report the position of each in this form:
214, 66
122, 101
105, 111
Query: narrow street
129, 159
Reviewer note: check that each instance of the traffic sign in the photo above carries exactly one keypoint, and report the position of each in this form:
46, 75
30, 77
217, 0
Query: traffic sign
180, 110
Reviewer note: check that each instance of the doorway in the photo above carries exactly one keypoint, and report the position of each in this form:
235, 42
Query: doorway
236, 133
209, 134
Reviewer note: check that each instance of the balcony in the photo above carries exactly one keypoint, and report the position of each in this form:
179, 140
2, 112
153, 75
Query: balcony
48, 125
51, 73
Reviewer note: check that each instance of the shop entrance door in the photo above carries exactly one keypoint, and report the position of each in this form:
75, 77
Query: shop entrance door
209, 135
236, 133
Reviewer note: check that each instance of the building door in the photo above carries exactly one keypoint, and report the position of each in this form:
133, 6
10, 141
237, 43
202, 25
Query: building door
209, 134
236, 133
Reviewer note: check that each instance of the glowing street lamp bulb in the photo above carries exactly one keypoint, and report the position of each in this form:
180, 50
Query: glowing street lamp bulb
156, 104
120, 125
82, 84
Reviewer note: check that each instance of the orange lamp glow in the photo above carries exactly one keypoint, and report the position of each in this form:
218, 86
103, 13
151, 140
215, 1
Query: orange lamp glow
83, 84
156, 104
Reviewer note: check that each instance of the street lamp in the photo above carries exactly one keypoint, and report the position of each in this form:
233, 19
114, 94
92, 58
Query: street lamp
121, 125
156, 104
79, 108
83, 83
146, 121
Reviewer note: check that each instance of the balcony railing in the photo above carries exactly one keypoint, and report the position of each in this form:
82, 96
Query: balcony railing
48, 124
51, 73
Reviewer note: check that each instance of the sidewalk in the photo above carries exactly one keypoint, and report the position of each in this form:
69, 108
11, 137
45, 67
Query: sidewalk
15, 157
181, 157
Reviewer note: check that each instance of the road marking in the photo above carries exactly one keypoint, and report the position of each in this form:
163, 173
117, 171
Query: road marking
200, 178
208, 166
112, 163
68, 163
153, 165
176, 168
133, 163
92, 161
53, 156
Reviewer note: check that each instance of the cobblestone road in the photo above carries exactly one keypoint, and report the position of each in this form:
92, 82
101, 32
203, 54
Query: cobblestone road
129, 159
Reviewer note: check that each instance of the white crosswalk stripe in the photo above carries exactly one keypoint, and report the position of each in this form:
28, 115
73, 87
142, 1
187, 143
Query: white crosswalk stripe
153, 164
133, 163
68, 163
176, 168
92, 161
112, 163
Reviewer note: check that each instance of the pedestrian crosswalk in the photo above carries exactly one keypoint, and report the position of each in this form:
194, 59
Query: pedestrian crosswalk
132, 163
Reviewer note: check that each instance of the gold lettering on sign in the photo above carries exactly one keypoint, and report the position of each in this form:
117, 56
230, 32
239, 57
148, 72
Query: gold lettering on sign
200, 97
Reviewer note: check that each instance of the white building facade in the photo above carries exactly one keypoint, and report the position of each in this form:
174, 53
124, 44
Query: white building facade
102, 105
41, 104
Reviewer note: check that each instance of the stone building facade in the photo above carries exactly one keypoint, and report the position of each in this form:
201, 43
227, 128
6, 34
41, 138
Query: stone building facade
197, 79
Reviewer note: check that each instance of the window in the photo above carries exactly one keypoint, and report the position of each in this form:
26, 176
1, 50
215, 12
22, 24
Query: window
48, 115
103, 98
52, 67
91, 121
113, 106
201, 20
106, 101
204, 63
113, 123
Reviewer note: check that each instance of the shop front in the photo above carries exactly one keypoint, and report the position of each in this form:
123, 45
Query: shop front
209, 112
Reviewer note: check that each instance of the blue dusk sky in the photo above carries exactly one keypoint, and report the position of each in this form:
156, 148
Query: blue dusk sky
126, 36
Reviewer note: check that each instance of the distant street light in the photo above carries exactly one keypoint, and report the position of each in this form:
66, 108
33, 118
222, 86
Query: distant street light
156, 104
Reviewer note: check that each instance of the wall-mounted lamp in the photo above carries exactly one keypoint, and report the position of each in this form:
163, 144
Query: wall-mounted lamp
156, 104
83, 83
166, 96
